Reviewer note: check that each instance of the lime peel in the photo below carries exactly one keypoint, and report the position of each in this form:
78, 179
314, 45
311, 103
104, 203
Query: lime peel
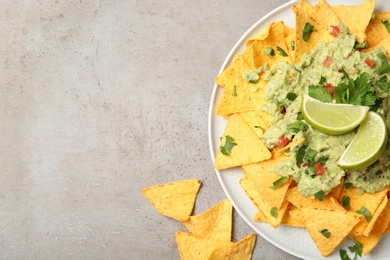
330, 118
368, 144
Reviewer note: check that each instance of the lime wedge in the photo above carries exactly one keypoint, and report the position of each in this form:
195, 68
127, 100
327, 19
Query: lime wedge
368, 144
332, 119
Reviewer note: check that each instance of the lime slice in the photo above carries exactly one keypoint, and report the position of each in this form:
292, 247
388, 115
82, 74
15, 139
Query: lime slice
368, 144
332, 119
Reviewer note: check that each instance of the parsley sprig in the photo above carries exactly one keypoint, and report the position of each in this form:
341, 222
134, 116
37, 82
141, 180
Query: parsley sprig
229, 144
357, 249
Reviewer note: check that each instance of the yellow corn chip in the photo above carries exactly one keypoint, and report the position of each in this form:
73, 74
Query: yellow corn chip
306, 7
271, 214
356, 17
376, 31
193, 247
249, 148
215, 223
292, 220
325, 15
242, 250
368, 243
235, 95
254, 54
279, 151
320, 33
300, 201
257, 120
321, 223
175, 199
384, 44
263, 178
369, 201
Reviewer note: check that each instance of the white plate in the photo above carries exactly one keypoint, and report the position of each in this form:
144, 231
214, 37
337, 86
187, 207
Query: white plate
294, 241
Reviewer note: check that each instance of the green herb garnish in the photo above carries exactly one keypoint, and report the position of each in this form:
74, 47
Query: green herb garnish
291, 96
234, 92
362, 45
276, 184
229, 144
301, 153
292, 45
357, 249
348, 185
356, 92
307, 31
382, 83
281, 52
322, 80
320, 93
365, 212
274, 212
297, 126
269, 52
384, 67
325, 232
319, 195
345, 201
386, 24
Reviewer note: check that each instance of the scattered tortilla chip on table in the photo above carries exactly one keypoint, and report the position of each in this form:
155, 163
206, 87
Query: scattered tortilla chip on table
215, 223
242, 250
174, 199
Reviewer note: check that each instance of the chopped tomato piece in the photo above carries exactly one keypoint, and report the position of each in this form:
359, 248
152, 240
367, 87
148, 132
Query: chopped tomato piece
319, 169
369, 62
330, 88
283, 141
328, 60
334, 30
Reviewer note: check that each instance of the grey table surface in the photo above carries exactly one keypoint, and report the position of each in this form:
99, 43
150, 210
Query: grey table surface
98, 100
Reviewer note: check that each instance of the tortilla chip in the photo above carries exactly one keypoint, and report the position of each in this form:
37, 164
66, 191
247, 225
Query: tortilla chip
254, 53
290, 45
336, 191
356, 17
253, 193
320, 33
325, 15
300, 201
215, 223
290, 220
376, 31
258, 121
193, 247
175, 199
242, 250
249, 148
368, 243
262, 177
235, 94
338, 223
370, 201
384, 44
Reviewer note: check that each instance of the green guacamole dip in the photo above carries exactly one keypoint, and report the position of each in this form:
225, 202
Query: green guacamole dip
284, 92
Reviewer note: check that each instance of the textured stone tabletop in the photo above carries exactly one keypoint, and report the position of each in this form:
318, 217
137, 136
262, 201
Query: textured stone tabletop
98, 100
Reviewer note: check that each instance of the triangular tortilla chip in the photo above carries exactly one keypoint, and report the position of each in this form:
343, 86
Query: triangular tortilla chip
235, 94
242, 250
215, 223
254, 53
263, 177
279, 151
368, 243
337, 223
370, 201
289, 220
384, 44
356, 17
300, 201
270, 214
325, 15
193, 247
320, 33
249, 148
174, 199
258, 121
376, 30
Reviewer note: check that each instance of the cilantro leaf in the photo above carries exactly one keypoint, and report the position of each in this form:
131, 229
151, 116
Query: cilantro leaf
274, 212
234, 92
386, 24
301, 153
320, 93
297, 126
325, 232
382, 83
229, 144
346, 202
291, 96
384, 67
319, 195
307, 31
356, 92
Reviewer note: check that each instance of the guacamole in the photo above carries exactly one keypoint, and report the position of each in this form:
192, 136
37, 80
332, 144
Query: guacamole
321, 74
